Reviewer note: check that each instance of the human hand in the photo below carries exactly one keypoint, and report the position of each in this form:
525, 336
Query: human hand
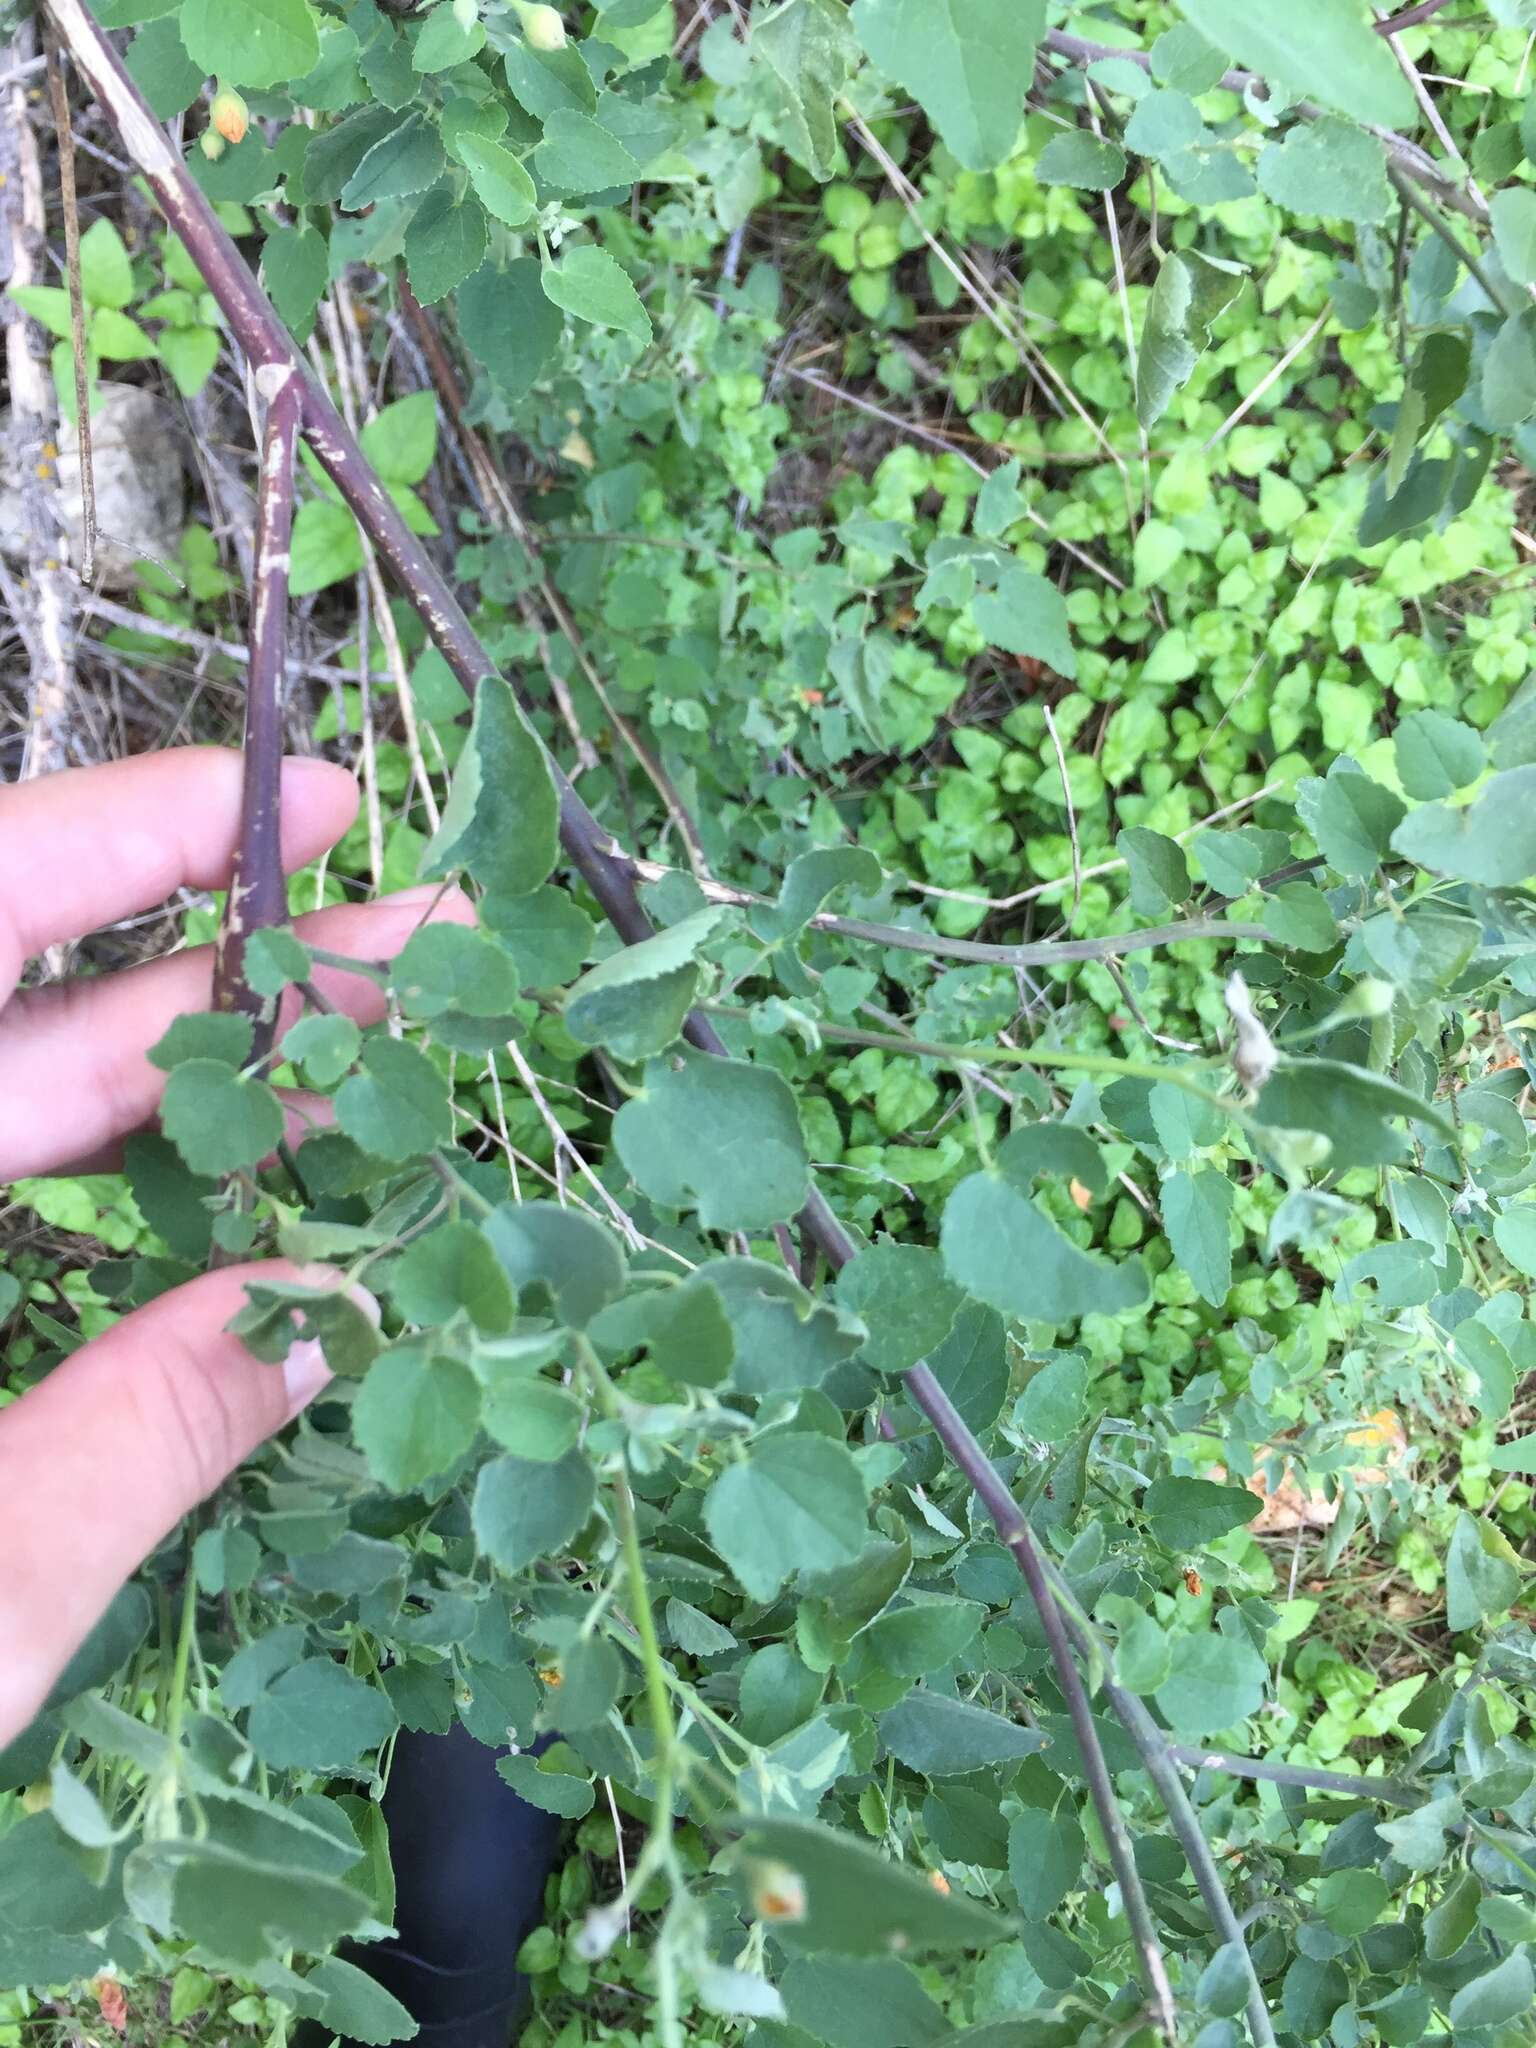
101, 1459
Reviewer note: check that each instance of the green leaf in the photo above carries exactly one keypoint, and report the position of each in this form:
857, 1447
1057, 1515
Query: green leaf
446, 968
401, 438
1077, 158
219, 1120
295, 266
1491, 840
1297, 915
508, 324
559, 1255
551, 1791
943, 1737
1197, 1215
260, 43
1186, 1514
1482, 1574
1215, 1682
971, 1365
697, 1634
1513, 213
325, 1046
501, 821
1509, 371
718, 1136
204, 1035
1436, 754
1353, 1109
318, 1717
525, 1509
1143, 1659
781, 1337
1054, 1401
842, 2000
589, 283
533, 1418
1323, 49
173, 1202
398, 1106
856, 1901
1045, 1858
806, 45
808, 882
1160, 876
106, 269
548, 933
1329, 168
578, 154
1224, 1982
793, 1503
235, 1906
915, 1640
1026, 614
1008, 1253
968, 63
1188, 295
326, 547
157, 62
449, 1269
502, 185
1311, 1994
634, 1002
352, 2004
445, 243
1506, 1992
407, 160
906, 1300
445, 41
1351, 817
1436, 378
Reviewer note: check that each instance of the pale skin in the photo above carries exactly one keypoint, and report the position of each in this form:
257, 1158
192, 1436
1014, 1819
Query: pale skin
102, 1459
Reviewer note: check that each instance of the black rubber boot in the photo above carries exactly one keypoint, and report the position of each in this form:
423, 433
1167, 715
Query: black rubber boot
471, 1860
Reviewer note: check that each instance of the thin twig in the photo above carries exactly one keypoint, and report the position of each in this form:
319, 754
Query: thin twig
1275, 371
1066, 797
59, 99
43, 604
1386, 1791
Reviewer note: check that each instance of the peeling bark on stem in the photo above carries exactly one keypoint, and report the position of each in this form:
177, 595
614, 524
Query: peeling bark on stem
258, 894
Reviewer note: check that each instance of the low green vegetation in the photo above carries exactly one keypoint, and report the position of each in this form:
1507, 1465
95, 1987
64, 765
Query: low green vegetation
969, 505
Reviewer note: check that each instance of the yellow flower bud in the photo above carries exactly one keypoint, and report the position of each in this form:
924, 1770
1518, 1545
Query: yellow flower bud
212, 144
541, 25
229, 115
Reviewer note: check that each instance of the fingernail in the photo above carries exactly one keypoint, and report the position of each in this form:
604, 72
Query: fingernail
305, 1372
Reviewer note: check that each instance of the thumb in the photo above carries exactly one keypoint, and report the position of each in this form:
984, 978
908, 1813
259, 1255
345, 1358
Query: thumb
101, 1460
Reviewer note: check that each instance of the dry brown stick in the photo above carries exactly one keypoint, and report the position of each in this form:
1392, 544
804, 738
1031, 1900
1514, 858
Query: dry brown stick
44, 615
67, 196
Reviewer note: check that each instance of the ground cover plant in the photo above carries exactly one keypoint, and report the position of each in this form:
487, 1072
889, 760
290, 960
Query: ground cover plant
953, 1247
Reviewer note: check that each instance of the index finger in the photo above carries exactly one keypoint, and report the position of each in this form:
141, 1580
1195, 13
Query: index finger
80, 850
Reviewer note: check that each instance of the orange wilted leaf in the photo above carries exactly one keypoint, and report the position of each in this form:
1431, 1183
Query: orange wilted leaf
113, 2000
1191, 1582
